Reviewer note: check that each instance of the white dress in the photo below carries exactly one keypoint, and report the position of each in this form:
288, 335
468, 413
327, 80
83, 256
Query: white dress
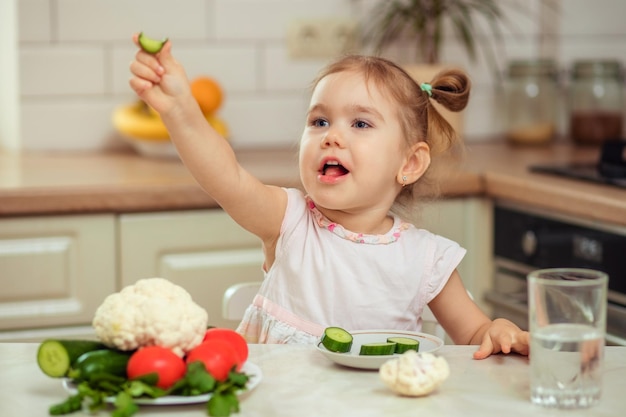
325, 275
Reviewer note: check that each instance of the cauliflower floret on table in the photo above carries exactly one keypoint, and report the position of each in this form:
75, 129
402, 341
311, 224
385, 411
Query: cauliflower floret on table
153, 311
414, 374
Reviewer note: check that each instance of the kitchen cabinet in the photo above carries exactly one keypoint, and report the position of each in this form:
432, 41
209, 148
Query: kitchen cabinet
204, 251
56, 270
468, 221
54, 273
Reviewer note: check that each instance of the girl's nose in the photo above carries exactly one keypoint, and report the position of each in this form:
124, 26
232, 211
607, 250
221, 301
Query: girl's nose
332, 138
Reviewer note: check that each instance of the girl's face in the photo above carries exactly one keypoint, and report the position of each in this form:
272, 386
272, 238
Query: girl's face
352, 147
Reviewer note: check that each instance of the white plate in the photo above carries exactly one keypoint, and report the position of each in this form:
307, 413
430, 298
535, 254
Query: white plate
428, 343
250, 369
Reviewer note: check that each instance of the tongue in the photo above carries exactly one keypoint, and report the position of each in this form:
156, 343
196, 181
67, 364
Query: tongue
335, 171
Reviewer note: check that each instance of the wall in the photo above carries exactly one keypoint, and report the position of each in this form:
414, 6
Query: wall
9, 96
74, 56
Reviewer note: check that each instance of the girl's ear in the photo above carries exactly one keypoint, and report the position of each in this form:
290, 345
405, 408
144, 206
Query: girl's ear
415, 164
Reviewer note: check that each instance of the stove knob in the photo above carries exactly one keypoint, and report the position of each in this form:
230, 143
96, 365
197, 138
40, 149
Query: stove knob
529, 243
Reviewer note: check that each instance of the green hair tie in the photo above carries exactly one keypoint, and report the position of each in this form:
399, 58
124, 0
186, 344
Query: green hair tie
428, 88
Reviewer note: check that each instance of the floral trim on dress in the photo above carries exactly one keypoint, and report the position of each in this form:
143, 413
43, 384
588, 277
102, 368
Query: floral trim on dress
393, 235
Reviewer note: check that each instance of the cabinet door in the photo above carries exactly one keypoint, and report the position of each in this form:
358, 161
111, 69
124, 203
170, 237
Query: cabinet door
203, 251
468, 222
55, 271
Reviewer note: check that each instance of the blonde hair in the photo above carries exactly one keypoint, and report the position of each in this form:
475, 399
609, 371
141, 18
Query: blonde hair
420, 120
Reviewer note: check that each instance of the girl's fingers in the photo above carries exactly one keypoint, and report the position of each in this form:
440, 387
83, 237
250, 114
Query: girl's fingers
143, 71
140, 86
149, 60
485, 349
505, 344
165, 55
522, 343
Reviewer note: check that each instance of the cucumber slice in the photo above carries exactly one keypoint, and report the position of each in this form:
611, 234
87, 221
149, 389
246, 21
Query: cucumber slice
152, 46
404, 343
337, 339
55, 357
380, 348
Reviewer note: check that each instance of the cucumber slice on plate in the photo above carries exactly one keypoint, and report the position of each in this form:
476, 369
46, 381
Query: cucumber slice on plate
337, 339
404, 343
380, 348
152, 46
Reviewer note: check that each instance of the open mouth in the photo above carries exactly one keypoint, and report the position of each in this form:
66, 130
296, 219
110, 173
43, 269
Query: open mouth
333, 169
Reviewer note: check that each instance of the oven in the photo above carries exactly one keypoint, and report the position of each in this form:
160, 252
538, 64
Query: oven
526, 239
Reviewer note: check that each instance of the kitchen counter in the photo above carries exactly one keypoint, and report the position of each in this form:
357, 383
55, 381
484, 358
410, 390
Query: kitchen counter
298, 381
53, 183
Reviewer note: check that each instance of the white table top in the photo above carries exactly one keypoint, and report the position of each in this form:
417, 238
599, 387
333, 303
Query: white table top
299, 381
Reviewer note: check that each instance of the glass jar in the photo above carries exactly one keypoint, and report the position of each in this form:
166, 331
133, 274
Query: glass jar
596, 108
531, 101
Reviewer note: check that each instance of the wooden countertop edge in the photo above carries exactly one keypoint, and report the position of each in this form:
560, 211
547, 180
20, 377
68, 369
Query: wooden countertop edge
108, 199
562, 196
143, 185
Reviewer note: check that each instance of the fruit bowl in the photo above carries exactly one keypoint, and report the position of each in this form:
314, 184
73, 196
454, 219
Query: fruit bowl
154, 148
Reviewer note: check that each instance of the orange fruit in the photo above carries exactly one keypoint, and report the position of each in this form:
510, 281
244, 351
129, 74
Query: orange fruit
207, 93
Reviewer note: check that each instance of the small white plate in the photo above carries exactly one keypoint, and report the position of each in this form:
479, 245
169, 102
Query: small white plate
428, 343
250, 369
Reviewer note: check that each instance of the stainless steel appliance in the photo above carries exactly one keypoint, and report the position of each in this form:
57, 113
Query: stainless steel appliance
609, 169
526, 239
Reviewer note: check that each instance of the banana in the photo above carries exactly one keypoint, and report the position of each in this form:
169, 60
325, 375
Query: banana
218, 124
138, 121
134, 120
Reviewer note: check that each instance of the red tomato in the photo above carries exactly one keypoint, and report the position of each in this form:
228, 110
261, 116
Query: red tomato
237, 341
156, 359
218, 357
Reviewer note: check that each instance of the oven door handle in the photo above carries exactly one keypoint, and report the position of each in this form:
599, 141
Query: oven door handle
612, 340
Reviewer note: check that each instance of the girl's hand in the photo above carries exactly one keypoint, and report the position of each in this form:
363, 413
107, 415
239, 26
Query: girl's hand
159, 79
503, 336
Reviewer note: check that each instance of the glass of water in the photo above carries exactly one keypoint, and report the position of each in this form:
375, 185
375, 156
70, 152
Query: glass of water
567, 320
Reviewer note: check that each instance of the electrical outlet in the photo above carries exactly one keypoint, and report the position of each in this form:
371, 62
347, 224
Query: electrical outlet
321, 37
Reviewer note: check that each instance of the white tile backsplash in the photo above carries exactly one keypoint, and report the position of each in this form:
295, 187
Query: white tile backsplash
280, 73
69, 124
74, 57
62, 70
266, 122
34, 20
116, 20
268, 19
592, 17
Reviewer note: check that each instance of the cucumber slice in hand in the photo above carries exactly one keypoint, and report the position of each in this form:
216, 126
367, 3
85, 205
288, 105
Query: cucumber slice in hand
404, 343
152, 46
337, 339
380, 348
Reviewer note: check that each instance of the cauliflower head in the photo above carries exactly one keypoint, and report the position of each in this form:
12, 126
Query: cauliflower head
151, 312
414, 374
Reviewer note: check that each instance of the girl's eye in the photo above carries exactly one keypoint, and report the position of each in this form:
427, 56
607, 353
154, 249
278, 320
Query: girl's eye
319, 123
360, 124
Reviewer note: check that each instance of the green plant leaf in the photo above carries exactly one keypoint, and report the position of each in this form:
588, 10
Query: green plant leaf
424, 20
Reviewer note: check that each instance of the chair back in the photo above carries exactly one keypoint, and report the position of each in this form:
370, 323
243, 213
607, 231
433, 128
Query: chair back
237, 298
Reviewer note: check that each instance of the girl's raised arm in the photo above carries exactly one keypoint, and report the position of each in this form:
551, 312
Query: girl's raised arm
161, 82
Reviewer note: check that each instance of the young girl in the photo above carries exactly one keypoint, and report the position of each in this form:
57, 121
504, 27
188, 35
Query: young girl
336, 255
